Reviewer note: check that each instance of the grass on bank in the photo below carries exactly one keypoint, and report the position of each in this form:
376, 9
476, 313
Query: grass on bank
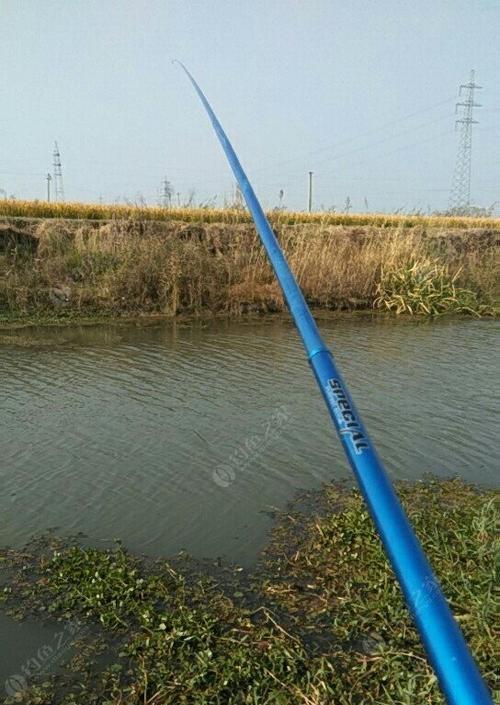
175, 268
321, 622
425, 287
92, 211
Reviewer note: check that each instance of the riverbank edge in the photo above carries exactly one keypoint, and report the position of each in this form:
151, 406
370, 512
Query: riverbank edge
289, 619
14, 322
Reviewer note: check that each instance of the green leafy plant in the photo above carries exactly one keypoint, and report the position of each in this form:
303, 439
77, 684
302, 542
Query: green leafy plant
322, 622
425, 287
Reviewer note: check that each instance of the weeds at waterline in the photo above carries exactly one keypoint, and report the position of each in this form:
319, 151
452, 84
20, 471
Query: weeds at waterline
172, 268
322, 622
425, 287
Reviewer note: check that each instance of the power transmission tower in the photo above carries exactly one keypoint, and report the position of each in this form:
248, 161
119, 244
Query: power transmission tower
166, 193
460, 190
58, 180
238, 200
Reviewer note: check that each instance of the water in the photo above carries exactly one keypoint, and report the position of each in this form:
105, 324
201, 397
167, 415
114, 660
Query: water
173, 437
132, 431
31, 648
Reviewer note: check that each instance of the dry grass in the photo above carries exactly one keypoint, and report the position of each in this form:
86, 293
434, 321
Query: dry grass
90, 211
174, 267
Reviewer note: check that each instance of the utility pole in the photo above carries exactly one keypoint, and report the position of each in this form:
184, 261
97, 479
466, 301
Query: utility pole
49, 179
58, 180
460, 190
310, 200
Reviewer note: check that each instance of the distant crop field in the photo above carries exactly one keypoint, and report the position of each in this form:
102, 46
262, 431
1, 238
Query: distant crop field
90, 211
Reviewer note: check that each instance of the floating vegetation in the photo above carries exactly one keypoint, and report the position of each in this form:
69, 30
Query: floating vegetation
425, 287
320, 622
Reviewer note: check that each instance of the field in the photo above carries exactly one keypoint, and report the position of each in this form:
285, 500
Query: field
90, 211
81, 260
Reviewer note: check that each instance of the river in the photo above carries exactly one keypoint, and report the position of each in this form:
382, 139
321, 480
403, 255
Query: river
177, 436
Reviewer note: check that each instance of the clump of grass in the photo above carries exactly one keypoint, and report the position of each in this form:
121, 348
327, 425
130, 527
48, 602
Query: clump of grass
343, 634
425, 287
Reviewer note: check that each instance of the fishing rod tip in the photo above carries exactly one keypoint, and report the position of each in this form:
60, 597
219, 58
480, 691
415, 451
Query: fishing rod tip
176, 61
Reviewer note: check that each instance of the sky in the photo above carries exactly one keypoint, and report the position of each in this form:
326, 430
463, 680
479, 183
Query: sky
360, 92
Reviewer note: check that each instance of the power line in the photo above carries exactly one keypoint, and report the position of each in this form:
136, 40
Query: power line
335, 145
382, 140
375, 158
23, 173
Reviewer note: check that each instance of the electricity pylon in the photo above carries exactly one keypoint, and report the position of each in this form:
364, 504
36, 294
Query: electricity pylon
460, 190
58, 179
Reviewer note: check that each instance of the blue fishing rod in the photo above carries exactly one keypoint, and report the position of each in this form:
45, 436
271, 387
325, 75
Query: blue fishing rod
447, 650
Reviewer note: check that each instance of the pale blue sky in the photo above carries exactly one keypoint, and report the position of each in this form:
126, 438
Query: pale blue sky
361, 92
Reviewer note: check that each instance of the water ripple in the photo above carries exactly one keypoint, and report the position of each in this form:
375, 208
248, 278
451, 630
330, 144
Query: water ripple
117, 431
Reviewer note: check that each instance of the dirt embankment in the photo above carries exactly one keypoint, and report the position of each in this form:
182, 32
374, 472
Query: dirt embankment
175, 268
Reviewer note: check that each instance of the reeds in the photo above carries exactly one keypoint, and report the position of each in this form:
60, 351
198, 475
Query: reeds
172, 268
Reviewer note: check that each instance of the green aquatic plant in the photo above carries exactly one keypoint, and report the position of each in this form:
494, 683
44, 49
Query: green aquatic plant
425, 287
175, 641
321, 622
